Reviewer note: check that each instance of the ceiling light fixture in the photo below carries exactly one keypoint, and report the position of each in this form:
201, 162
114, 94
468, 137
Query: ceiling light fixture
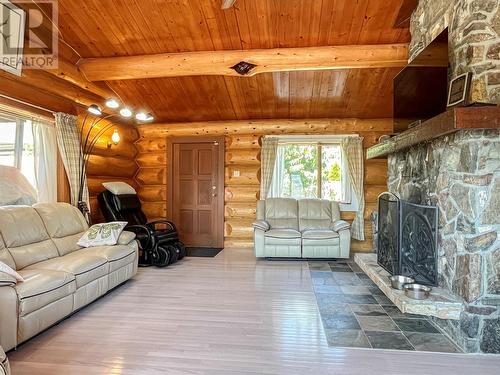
112, 103
143, 116
126, 112
94, 109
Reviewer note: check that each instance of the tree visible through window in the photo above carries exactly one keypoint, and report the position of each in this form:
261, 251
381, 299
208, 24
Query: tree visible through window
310, 170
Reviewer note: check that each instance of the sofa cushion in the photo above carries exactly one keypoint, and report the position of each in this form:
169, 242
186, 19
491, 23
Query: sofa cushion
117, 256
42, 287
5, 255
319, 234
25, 236
65, 225
85, 268
314, 214
282, 213
282, 233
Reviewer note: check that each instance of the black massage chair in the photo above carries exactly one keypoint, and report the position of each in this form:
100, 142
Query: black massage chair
158, 240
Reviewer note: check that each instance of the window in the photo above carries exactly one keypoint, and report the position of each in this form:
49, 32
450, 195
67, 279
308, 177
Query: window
16, 145
310, 167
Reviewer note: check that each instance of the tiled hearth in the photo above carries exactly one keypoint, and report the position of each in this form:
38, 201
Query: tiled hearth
356, 313
440, 304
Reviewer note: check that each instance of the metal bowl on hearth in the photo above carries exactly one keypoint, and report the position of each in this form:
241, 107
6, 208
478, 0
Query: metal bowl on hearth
417, 291
399, 281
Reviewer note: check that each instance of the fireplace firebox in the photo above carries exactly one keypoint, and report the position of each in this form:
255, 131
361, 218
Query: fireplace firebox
407, 239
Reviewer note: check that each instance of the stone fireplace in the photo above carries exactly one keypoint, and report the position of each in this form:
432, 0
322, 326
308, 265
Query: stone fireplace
460, 174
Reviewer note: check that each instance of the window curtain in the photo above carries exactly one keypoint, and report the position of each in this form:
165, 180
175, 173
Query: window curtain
45, 155
268, 159
352, 152
279, 174
68, 141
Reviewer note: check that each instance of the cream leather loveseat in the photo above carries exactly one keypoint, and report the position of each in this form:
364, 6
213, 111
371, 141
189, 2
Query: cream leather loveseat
40, 242
304, 228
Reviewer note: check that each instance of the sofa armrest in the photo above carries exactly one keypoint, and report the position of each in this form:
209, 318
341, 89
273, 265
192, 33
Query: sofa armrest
339, 225
262, 225
126, 237
6, 279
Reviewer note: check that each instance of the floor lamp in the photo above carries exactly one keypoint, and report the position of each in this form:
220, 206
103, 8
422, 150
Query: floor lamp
89, 140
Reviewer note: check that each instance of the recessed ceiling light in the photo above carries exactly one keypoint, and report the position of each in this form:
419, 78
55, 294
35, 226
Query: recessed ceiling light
143, 116
94, 109
112, 103
126, 112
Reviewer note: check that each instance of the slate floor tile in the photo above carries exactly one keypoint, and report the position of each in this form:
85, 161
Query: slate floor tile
368, 310
363, 276
388, 340
332, 307
364, 299
354, 289
319, 266
339, 263
321, 274
347, 338
346, 278
340, 322
375, 290
341, 269
356, 313
415, 325
431, 342
325, 288
355, 268
377, 323
367, 282
324, 281
383, 300
395, 312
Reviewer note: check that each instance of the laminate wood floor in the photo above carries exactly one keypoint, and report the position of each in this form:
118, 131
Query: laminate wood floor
225, 315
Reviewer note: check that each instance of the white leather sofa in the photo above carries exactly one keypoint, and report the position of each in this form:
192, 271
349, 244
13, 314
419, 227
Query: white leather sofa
4, 363
40, 242
304, 228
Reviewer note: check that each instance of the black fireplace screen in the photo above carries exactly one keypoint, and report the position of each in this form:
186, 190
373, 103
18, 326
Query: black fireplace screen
407, 243
388, 232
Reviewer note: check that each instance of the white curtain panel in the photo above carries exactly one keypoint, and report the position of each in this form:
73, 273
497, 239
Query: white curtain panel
68, 140
45, 144
268, 159
352, 152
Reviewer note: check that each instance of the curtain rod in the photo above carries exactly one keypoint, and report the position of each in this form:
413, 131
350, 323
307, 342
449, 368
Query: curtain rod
26, 103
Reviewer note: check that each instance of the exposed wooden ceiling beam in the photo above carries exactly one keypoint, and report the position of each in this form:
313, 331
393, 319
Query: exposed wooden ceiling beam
244, 62
226, 4
66, 59
15, 88
70, 73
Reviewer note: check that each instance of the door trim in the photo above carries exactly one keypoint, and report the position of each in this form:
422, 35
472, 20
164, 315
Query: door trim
220, 181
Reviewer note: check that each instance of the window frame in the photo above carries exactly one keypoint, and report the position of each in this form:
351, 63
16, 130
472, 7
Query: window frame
19, 119
350, 203
18, 139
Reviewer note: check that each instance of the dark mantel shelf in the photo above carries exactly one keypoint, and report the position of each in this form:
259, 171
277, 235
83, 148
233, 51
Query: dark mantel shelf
486, 117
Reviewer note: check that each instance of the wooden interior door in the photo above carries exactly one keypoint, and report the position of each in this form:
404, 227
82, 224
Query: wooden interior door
196, 186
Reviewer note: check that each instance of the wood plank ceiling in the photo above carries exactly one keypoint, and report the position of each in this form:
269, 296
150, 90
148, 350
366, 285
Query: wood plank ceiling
105, 28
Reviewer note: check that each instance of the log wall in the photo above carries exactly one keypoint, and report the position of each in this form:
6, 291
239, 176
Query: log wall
243, 155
